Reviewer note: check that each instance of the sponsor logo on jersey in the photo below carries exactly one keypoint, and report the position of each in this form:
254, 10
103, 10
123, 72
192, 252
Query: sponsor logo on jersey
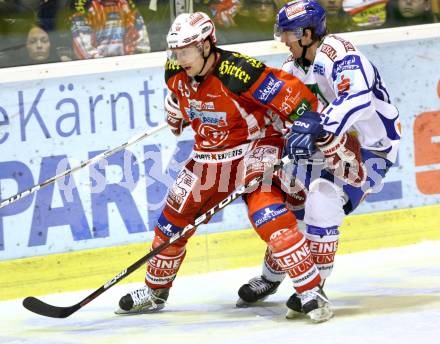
267, 214
201, 105
234, 153
350, 62
166, 227
229, 68
260, 159
268, 89
318, 69
329, 51
207, 117
295, 10
238, 72
303, 106
343, 83
347, 45
212, 135
181, 189
171, 66
252, 61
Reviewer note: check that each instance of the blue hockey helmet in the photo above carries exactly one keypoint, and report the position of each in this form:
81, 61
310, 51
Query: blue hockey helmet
295, 16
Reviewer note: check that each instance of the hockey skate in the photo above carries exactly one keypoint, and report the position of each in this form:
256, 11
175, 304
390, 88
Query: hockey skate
294, 307
258, 289
314, 304
143, 300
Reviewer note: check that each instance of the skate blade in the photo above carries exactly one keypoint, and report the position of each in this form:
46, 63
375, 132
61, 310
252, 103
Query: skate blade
242, 304
120, 311
291, 314
320, 315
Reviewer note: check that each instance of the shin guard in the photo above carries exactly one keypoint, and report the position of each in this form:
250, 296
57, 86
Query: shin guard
271, 270
323, 243
163, 268
291, 252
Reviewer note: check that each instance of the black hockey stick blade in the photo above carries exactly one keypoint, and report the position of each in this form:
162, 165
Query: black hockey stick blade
37, 306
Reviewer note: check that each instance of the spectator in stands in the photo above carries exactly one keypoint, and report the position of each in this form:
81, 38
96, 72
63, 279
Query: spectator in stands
252, 20
409, 12
159, 14
224, 12
413, 8
264, 12
337, 19
332, 7
38, 45
102, 28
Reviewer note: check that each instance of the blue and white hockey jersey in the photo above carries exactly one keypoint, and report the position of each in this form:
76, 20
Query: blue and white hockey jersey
352, 94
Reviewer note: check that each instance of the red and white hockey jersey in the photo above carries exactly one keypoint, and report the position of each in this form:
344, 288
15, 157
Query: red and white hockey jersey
240, 101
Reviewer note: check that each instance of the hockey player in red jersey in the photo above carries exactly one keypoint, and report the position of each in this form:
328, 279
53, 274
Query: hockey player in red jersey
236, 107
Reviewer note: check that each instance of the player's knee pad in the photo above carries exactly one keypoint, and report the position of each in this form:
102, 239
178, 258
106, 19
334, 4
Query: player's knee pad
170, 223
271, 218
324, 204
268, 212
323, 243
291, 253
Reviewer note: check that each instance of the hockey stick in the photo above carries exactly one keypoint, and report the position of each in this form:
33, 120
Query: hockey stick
96, 158
40, 307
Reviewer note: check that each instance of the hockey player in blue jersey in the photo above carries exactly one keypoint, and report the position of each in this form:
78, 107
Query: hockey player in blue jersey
340, 153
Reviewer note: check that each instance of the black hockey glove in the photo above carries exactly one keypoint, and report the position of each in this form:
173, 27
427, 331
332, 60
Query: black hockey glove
301, 140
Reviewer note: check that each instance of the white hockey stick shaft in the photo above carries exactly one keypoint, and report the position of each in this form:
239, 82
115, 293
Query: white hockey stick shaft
96, 158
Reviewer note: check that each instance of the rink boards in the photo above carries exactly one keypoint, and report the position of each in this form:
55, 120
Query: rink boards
89, 269
53, 117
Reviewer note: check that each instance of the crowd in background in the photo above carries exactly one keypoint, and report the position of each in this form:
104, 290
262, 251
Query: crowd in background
41, 31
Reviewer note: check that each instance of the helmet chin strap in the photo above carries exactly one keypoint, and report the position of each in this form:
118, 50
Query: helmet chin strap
199, 77
304, 61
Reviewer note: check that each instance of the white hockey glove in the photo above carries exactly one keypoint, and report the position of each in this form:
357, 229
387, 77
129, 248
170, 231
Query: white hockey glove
174, 117
343, 157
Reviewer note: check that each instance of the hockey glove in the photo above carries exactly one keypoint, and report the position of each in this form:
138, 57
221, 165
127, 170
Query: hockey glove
174, 118
301, 141
343, 158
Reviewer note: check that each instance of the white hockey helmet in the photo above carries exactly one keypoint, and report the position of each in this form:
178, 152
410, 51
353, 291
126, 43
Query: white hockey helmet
190, 28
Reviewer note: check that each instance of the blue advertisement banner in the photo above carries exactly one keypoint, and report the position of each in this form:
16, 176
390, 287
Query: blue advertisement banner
49, 125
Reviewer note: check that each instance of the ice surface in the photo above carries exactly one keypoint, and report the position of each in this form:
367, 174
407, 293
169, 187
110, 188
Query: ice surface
382, 296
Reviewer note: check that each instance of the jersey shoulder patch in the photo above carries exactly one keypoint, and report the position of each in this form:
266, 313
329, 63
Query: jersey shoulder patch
348, 46
238, 72
171, 69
